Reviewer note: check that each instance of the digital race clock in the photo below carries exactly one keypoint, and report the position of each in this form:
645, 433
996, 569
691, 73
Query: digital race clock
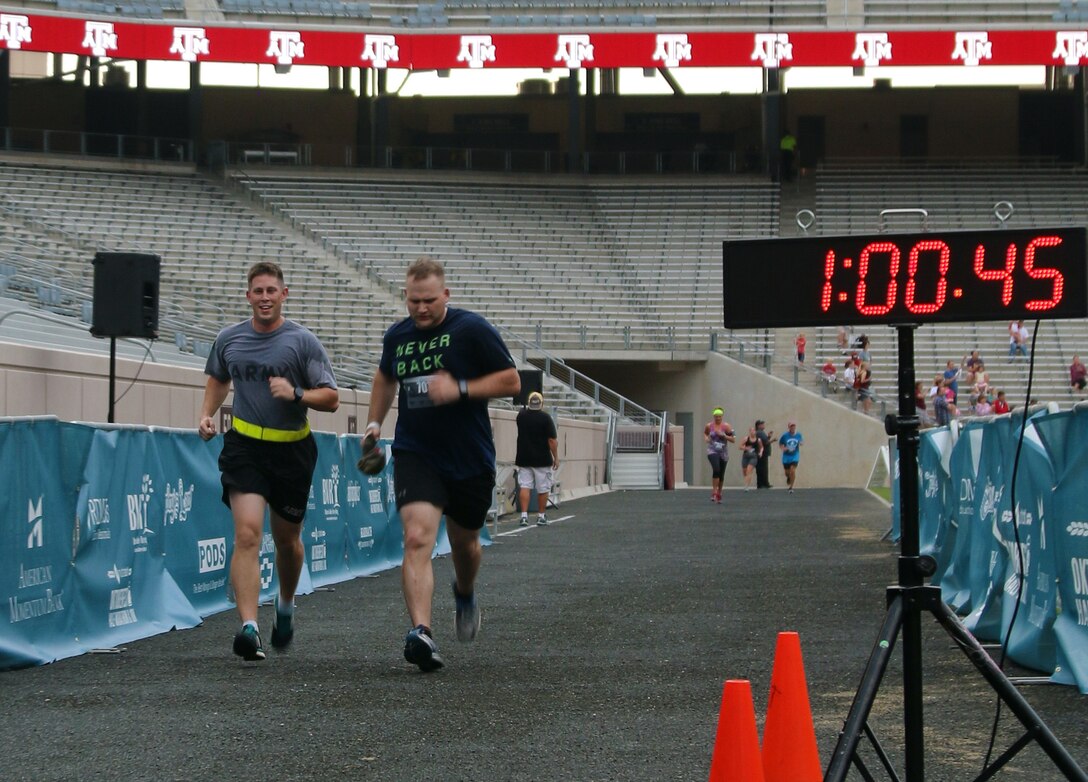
906, 278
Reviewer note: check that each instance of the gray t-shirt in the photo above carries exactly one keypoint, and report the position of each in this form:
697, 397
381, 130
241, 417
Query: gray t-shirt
248, 358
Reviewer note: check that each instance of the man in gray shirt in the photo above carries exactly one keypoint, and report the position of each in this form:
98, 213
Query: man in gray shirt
278, 369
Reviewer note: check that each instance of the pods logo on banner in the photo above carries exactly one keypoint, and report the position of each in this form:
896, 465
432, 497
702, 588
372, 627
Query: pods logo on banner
15, 30
137, 504
872, 48
672, 48
178, 502
100, 38
98, 518
366, 538
772, 49
573, 50
34, 518
972, 48
211, 555
476, 50
380, 50
1070, 46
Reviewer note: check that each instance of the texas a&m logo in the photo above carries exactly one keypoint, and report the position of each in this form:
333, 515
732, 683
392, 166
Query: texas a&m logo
380, 50
573, 50
1070, 46
100, 38
872, 48
189, 43
476, 50
772, 49
672, 48
285, 46
972, 48
14, 30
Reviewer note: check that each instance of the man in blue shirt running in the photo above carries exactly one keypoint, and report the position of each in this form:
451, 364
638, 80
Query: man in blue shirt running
790, 444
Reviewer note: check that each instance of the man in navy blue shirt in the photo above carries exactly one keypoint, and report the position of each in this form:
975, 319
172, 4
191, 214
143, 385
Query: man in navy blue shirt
447, 363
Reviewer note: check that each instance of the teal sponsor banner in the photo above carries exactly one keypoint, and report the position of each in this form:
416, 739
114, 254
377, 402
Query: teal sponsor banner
1032, 598
198, 527
934, 496
893, 459
123, 591
37, 508
375, 539
963, 467
1063, 435
325, 531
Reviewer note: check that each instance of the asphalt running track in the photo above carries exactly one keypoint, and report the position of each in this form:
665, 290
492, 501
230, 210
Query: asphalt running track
605, 642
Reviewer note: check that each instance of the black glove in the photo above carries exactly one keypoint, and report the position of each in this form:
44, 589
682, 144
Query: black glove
373, 458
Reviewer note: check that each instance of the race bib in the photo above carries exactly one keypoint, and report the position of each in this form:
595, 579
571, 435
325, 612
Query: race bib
415, 392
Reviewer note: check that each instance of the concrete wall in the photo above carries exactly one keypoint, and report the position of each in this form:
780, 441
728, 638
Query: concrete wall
840, 447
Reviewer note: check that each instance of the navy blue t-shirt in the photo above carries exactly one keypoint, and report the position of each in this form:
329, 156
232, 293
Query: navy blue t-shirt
455, 438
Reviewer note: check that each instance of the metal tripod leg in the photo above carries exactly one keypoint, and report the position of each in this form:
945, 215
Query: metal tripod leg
856, 720
1005, 689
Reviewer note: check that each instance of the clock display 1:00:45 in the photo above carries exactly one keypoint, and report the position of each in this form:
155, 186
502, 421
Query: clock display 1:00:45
901, 278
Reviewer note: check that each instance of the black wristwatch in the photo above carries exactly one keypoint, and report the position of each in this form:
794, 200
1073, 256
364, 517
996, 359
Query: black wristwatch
298, 393
462, 386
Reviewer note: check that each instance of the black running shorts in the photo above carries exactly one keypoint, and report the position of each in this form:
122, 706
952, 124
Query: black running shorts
465, 501
279, 472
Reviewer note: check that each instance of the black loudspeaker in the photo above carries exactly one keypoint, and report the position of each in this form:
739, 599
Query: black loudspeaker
531, 380
126, 295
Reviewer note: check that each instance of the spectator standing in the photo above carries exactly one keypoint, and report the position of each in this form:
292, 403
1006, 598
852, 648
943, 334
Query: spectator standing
790, 445
799, 342
864, 384
920, 405
762, 478
537, 457
1078, 374
1000, 405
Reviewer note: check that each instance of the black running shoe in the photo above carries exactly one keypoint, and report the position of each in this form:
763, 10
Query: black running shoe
283, 630
420, 649
467, 616
247, 644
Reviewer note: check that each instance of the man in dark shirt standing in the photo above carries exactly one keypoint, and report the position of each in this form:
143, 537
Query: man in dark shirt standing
537, 457
762, 479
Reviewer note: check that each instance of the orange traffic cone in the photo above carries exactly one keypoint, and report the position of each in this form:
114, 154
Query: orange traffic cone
789, 740
736, 745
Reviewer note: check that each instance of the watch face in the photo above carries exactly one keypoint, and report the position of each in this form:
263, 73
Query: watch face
906, 278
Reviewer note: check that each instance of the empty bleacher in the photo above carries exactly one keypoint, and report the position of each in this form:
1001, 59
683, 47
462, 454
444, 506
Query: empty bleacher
582, 266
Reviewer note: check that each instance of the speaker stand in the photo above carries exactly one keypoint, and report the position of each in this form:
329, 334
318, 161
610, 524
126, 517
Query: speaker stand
113, 376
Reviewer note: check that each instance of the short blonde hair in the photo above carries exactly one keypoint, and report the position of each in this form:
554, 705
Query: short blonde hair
425, 266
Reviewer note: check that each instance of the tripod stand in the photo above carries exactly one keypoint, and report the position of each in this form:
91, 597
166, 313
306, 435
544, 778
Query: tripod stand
906, 602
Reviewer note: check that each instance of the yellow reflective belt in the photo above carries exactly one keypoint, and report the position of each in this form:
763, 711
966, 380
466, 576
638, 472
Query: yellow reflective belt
268, 434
